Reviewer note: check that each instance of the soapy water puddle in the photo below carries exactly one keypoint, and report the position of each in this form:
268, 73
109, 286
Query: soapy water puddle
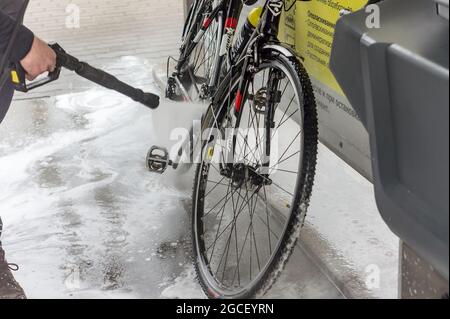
83, 216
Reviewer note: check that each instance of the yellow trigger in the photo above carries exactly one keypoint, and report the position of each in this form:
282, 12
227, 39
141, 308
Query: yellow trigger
15, 77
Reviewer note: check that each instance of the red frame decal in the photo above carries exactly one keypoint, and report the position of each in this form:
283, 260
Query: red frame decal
231, 23
206, 23
238, 103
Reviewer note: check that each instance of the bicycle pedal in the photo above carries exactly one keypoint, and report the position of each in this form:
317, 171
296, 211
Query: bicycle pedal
158, 160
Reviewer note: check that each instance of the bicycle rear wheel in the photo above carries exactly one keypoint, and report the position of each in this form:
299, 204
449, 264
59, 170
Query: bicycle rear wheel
253, 185
200, 60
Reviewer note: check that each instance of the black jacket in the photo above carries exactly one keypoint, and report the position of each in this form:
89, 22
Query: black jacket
23, 41
21, 48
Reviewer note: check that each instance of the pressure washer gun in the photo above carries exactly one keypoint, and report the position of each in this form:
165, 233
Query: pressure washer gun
100, 77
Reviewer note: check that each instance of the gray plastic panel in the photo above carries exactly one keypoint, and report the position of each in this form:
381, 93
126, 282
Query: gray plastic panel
442, 7
397, 79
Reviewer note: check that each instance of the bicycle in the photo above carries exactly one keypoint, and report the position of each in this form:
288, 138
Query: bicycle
250, 202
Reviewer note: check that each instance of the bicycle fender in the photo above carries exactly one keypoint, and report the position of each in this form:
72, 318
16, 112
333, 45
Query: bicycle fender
277, 47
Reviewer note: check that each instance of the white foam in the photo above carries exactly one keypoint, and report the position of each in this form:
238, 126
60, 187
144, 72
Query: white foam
184, 287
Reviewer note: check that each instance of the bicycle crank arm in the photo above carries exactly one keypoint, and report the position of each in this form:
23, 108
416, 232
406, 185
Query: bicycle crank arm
103, 78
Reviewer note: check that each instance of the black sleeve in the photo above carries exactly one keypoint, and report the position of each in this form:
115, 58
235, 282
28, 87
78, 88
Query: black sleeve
23, 41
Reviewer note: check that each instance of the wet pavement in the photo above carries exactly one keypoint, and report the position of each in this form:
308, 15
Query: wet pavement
83, 216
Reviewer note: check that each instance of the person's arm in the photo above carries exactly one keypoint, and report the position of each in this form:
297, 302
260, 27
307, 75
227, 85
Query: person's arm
35, 56
24, 40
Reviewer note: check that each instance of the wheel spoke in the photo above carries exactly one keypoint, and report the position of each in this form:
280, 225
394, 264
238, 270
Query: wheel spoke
284, 153
241, 209
268, 222
218, 203
280, 162
220, 222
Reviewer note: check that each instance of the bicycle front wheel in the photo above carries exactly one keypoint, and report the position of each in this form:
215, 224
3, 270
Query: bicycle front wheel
253, 185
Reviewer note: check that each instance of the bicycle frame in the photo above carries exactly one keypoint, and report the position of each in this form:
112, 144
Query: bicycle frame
267, 32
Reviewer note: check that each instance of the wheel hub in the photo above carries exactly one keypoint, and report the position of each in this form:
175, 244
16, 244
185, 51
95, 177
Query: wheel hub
246, 174
239, 175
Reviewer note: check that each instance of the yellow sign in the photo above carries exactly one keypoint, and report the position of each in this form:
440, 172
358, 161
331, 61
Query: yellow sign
310, 28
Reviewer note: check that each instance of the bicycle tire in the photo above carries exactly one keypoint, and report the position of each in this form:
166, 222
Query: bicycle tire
304, 185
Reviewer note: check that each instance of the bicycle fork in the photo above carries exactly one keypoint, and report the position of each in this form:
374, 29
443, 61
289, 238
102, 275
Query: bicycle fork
273, 97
